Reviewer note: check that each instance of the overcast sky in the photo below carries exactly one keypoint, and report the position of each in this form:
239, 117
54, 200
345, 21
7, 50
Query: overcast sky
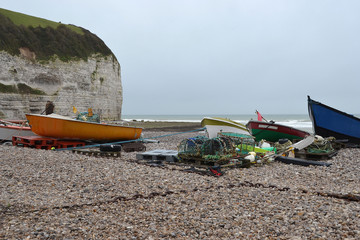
223, 56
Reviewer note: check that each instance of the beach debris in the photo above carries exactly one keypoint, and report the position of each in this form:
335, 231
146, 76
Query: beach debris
144, 140
264, 144
214, 171
207, 150
158, 155
282, 145
133, 147
320, 149
286, 148
226, 150
251, 157
110, 147
301, 162
95, 152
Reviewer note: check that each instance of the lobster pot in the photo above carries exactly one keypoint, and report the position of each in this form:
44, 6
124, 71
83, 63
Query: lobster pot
247, 145
219, 146
191, 147
244, 143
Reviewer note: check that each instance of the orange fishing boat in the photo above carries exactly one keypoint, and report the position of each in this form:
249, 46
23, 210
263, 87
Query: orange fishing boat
57, 126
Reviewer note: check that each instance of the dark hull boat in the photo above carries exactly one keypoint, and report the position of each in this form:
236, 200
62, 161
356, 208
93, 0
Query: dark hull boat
330, 122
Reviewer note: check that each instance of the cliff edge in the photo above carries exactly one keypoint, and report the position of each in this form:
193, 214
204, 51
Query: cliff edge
42, 61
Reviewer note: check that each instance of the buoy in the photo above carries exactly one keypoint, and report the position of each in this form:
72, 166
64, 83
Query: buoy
253, 153
264, 144
250, 157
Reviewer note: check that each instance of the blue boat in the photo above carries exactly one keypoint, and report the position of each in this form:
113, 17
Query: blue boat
330, 122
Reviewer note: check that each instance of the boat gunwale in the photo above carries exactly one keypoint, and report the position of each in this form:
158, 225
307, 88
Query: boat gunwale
273, 124
25, 128
79, 121
311, 101
317, 128
225, 120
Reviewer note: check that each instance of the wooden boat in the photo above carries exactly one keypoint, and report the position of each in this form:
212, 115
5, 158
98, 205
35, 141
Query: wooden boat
58, 126
330, 122
272, 131
10, 128
215, 125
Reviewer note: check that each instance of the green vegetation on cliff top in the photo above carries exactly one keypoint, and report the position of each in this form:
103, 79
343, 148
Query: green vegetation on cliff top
47, 38
26, 20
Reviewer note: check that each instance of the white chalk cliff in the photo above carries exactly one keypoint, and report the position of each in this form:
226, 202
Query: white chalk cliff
95, 83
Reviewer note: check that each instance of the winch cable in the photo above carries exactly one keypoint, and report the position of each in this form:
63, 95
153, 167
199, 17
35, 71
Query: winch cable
128, 141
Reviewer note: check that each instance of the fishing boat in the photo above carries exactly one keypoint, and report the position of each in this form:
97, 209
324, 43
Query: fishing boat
215, 125
271, 131
57, 126
10, 128
330, 122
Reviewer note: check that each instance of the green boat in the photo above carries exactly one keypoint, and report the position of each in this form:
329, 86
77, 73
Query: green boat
271, 131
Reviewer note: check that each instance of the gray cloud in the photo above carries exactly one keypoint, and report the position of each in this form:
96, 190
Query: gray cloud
223, 57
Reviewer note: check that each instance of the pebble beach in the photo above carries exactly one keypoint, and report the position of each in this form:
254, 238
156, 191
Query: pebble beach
48, 194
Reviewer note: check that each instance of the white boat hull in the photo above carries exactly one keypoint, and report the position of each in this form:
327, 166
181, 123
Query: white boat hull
7, 132
213, 130
217, 125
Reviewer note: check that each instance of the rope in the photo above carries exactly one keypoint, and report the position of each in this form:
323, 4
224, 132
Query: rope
128, 141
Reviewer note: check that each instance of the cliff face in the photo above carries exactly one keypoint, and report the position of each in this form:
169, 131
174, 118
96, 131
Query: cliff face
94, 83
57, 64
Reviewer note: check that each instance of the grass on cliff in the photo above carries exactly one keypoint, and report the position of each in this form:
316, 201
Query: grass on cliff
30, 21
47, 38
20, 88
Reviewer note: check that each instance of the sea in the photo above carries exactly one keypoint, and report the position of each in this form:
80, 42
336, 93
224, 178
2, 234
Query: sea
299, 121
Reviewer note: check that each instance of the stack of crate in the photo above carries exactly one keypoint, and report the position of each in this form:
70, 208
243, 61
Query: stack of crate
44, 142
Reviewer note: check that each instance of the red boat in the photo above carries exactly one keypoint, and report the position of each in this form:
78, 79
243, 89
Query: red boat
272, 131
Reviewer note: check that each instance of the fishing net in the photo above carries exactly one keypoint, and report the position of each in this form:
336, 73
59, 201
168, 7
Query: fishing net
85, 116
283, 145
321, 145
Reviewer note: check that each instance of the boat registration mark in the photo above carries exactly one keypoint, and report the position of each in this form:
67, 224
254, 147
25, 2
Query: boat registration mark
267, 126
